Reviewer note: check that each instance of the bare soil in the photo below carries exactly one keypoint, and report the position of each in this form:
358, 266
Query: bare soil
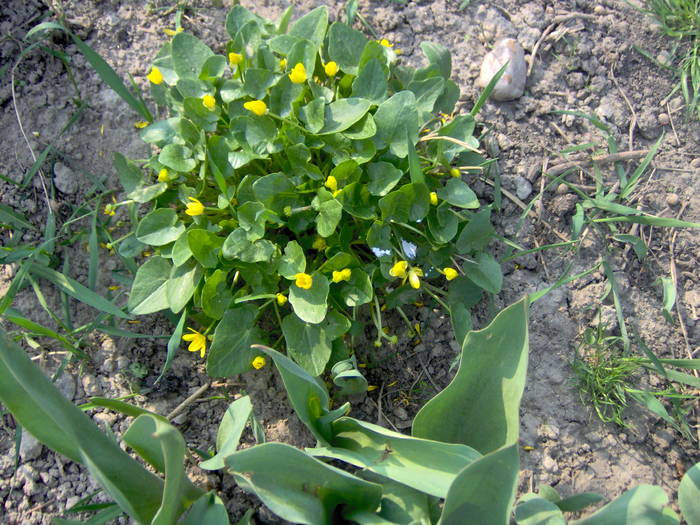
586, 61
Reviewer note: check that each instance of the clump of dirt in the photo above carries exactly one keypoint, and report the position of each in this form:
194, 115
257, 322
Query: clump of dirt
582, 58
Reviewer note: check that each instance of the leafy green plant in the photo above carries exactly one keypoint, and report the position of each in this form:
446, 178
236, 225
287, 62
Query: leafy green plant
389, 477
298, 178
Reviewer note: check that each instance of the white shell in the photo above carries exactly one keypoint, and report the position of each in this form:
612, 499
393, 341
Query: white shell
512, 83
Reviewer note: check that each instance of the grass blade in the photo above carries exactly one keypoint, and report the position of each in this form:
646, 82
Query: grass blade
487, 91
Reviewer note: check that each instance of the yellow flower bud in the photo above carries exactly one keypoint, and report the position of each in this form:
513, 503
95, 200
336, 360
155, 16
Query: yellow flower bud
209, 102
331, 183
342, 275
163, 175
433, 198
155, 76
450, 273
194, 208
331, 68
455, 172
283, 63
399, 269
298, 74
235, 58
303, 280
256, 106
258, 362
413, 277
172, 32
319, 244
384, 42
140, 124
281, 299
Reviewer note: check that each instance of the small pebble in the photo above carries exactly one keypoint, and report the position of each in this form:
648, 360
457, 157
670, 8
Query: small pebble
664, 119
672, 199
562, 189
512, 83
523, 188
695, 163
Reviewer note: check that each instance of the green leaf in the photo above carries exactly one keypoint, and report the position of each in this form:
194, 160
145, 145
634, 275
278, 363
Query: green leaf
461, 297
411, 202
205, 246
230, 352
371, 83
159, 133
443, 223
534, 510
329, 214
638, 244
283, 95
307, 396
77, 290
216, 294
577, 502
343, 113
257, 81
148, 291
484, 271
382, 177
689, 495
395, 118
343, 43
303, 52
163, 447
160, 227
181, 284
41, 409
365, 128
237, 17
177, 157
427, 92
310, 344
438, 56
642, 505
209, 510
293, 261
357, 201
144, 194
312, 115
358, 289
425, 465
348, 378
479, 408
311, 495
181, 252
130, 175
477, 234
310, 305
457, 193
189, 55
230, 430
484, 490
312, 26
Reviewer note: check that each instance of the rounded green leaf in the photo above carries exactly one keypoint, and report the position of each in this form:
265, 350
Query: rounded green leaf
382, 177
177, 157
343, 113
230, 352
216, 294
205, 246
310, 305
457, 193
689, 495
358, 289
293, 261
148, 290
160, 227
189, 55
181, 285
343, 44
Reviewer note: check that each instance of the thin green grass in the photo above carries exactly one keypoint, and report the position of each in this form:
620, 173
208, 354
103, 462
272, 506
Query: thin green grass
680, 19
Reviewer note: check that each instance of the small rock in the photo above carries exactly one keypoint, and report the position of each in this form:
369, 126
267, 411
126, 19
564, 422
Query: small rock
549, 464
512, 84
65, 179
523, 188
401, 413
562, 189
66, 385
664, 119
29, 447
695, 163
672, 199
90, 385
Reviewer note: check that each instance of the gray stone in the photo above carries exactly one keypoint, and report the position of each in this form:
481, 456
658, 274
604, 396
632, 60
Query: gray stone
65, 179
66, 385
523, 188
512, 84
91, 386
30, 447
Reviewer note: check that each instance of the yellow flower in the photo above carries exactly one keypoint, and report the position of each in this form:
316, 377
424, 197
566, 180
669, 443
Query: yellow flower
163, 175
281, 299
303, 280
331, 183
298, 74
140, 124
342, 275
433, 198
384, 42
399, 269
336, 193
109, 209
155, 76
319, 244
256, 106
450, 273
283, 63
235, 58
194, 208
197, 341
455, 172
413, 277
331, 68
258, 362
172, 32
209, 102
